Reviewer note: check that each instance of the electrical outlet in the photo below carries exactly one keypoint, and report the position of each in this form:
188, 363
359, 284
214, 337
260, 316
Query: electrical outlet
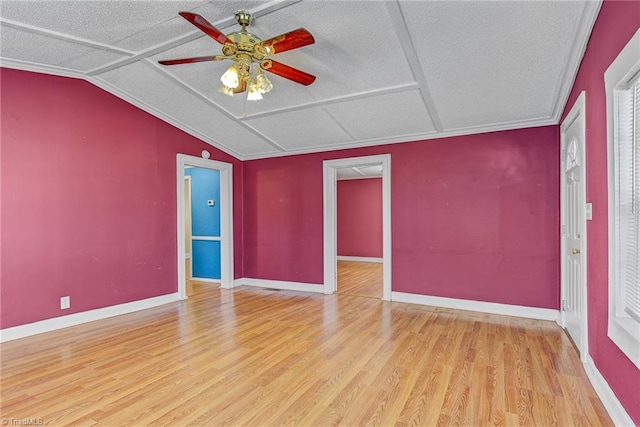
65, 302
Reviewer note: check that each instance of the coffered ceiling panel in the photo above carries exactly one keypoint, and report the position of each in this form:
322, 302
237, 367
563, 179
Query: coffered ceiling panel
348, 40
110, 22
303, 130
482, 74
384, 116
34, 48
356, 48
386, 71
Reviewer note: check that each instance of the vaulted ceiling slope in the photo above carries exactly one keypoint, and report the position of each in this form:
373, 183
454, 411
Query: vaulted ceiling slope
387, 71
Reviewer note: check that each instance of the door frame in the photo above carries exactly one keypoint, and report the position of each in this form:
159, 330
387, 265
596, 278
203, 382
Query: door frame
330, 202
577, 112
226, 218
187, 178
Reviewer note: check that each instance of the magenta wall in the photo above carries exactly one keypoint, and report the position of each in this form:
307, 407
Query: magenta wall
282, 221
616, 24
359, 215
88, 198
473, 217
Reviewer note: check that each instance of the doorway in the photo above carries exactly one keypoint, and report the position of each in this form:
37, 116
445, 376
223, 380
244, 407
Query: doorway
225, 206
205, 224
359, 231
573, 247
330, 179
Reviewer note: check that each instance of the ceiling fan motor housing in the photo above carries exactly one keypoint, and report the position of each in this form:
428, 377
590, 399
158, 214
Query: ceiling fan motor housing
244, 43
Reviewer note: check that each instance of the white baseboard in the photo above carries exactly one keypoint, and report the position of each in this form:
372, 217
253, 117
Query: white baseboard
206, 280
616, 411
480, 306
278, 284
359, 259
48, 325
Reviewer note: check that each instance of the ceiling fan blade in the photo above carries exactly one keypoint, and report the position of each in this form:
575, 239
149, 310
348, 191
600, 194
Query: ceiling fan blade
206, 27
287, 72
192, 60
291, 40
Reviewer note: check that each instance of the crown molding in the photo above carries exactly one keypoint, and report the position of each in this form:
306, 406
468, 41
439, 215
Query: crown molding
108, 87
41, 68
133, 100
563, 88
574, 59
125, 96
497, 127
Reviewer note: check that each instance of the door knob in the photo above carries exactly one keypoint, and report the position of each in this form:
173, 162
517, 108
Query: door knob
575, 251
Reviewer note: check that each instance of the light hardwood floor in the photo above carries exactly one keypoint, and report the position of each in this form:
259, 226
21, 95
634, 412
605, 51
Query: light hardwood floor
255, 357
191, 283
360, 278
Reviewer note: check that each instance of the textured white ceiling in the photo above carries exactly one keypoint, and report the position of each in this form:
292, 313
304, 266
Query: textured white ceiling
387, 71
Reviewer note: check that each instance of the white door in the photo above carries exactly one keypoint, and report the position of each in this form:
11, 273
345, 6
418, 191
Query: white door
574, 290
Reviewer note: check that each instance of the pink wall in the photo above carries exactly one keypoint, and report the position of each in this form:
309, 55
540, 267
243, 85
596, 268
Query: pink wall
88, 206
360, 217
282, 221
88, 198
473, 217
617, 22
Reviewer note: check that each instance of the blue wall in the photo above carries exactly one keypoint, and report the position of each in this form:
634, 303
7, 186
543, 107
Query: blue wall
205, 221
205, 259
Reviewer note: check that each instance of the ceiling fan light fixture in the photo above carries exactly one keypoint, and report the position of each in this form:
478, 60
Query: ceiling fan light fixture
250, 55
253, 93
230, 77
263, 84
226, 90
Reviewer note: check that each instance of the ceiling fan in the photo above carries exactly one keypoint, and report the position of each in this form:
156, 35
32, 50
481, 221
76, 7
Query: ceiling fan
246, 50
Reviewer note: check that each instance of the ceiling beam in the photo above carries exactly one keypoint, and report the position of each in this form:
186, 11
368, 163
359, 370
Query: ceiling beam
400, 25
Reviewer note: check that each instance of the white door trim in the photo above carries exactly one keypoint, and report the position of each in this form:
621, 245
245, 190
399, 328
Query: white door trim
187, 178
226, 218
329, 171
578, 110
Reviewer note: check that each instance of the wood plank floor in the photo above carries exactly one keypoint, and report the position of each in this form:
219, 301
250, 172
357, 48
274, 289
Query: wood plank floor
191, 283
256, 357
360, 278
